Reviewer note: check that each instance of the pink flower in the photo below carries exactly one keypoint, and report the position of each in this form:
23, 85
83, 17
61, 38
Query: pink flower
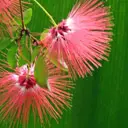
19, 92
82, 40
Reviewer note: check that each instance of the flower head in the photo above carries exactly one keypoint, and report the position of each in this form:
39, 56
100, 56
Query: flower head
20, 93
81, 40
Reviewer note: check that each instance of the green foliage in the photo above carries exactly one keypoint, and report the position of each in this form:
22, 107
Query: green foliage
35, 53
24, 56
27, 17
41, 72
4, 42
12, 56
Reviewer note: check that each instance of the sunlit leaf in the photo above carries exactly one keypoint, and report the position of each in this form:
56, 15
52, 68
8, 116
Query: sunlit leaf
41, 72
11, 56
24, 56
27, 17
35, 53
4, 42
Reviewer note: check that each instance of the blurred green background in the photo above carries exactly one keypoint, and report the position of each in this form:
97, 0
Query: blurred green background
101, 100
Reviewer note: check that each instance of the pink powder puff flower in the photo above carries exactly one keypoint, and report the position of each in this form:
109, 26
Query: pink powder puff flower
82, 40
19, 92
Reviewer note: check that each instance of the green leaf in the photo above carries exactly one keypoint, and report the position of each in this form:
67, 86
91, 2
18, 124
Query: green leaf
4, 42
11, 56
24, 57
35, 53
27, 17
41, 72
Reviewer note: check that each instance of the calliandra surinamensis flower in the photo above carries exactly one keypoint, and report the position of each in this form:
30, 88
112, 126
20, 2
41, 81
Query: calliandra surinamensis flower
82, 40
19, 92
8, 10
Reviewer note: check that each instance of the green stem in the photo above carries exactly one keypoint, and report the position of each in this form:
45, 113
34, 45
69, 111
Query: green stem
47, 13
